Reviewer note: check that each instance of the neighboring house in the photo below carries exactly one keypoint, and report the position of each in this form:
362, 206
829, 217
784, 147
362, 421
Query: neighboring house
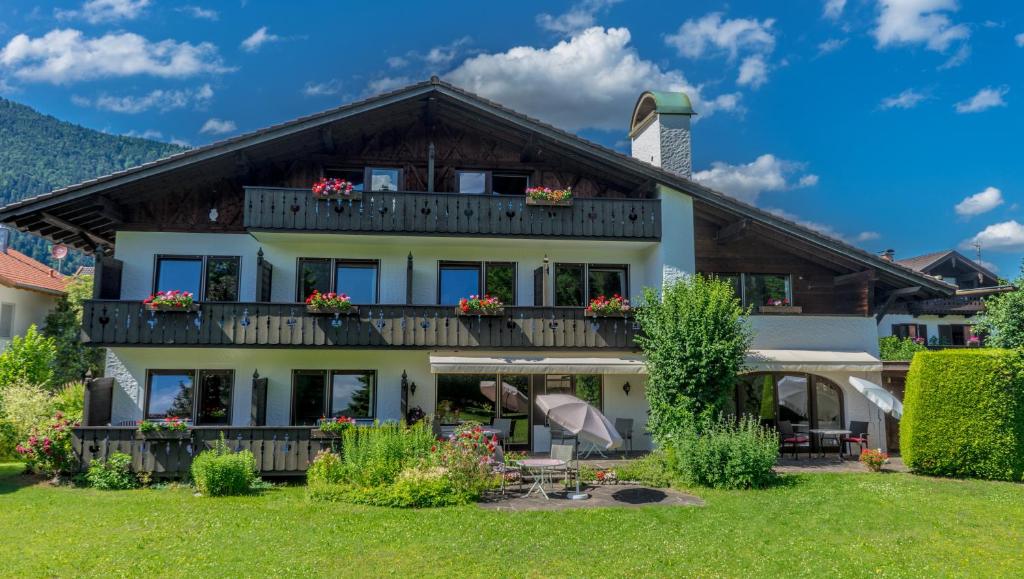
943, 321
440, 176
29, 290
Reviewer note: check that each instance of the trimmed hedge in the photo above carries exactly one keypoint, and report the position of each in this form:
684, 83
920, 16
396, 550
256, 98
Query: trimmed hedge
964, 414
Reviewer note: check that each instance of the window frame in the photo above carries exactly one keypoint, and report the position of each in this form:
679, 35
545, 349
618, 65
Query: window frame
206, 277
918, 329
742, 277
197, 386
586, 279
488, 190
338, 262
168, 371
325, 408
203, 273
333, 282
368, 178
812, 395
8, 321
493, 174
481, 267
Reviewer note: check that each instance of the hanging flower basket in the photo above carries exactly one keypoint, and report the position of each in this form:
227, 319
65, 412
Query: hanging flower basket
332, 429
329, 304
335, 188
549, 197
171, 428
171, 301
602, 307
480, 306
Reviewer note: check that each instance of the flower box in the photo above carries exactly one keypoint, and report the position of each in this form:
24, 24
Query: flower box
780, 310
172, 308
485, 313
315, 311
549, 197
620, 314
318, 434
351, 195
334, 188
163, 434
550, 202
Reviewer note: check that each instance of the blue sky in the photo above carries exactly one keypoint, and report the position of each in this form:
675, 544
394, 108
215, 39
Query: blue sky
889, 123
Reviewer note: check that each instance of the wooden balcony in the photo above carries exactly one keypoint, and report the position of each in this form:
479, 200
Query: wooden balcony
443, 214
274, 325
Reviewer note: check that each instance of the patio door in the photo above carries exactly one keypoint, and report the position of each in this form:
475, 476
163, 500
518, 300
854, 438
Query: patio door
485, 398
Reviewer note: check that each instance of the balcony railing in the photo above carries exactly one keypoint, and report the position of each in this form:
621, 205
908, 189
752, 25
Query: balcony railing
271, 209
263, 325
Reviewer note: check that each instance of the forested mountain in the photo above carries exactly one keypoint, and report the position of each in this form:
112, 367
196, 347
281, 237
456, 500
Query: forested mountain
39, 153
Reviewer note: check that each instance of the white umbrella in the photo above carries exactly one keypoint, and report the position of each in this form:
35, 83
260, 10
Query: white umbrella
793, 394
579, 418
512, 399
879, 396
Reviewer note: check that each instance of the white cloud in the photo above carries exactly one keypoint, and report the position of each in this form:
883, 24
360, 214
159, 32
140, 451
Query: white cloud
180, 142
747, 182
959, 57
907, 99
833, 9
437, 57
590, 80
258, 39
397, 61
163, 100
65, 55
1007, 236
985, 99
580, 16
711, 34
980, 203
831, 45
753, 72
387, 83
918, 22
218, 127
99, 11
865, 236
199, 12
150, 134
327, 87
1019, 39
822, 228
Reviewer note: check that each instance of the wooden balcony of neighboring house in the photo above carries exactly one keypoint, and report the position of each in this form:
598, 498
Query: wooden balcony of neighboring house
954, 306
284, 325
451, 214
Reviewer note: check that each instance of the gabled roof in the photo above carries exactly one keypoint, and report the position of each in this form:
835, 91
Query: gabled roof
20, 271
564, 138
924, 263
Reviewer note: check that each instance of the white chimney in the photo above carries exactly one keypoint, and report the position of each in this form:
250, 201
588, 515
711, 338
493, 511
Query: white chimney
660, 131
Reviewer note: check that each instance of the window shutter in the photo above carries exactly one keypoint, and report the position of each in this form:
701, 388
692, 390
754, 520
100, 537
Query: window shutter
945, 335
107, 280
99, 396
7, 321
259, 402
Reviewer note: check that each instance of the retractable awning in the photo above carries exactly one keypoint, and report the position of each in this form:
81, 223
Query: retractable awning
812, 361
536, 365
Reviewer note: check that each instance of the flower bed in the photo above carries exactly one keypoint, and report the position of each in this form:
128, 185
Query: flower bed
547, 196
602, 307
334, 188
329, 303
171, 301
480, 306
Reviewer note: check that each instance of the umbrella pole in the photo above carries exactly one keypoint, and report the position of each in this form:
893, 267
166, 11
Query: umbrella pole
578, 496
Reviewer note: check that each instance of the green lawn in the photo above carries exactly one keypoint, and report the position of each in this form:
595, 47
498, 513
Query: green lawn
813, 525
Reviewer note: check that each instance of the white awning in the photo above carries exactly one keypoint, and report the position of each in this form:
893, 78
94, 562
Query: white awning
812, 361
536, 365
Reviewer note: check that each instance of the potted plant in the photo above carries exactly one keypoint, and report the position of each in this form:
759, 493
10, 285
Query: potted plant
171, 301
334, 188
480, 306
170, 428
874, 459
332, 427
548, 196
329, 303
602, 307
779, 306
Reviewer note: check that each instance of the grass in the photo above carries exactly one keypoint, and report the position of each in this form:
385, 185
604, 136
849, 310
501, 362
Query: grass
817, 525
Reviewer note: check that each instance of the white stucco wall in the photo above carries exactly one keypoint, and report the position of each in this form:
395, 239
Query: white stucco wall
932, 323
675, 256
838, 333
666, 142
29, 308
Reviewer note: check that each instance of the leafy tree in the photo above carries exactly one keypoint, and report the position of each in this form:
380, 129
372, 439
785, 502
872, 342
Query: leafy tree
695, 338
1003, 320
64, 326
28, 360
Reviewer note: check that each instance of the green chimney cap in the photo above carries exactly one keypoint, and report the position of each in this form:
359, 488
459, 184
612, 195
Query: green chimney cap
661, 102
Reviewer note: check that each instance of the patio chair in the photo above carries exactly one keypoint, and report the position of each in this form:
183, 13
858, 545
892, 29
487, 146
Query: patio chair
503, 426
858, 435
564, 452
788, 436
503, 469
624, 426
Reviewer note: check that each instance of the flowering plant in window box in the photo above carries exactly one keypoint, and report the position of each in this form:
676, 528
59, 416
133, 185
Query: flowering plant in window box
334, 188
974, 342
779, 306
480, 306
874, 459
333, 427
329, 303
548, 196
170, 428
602, 307
171, 301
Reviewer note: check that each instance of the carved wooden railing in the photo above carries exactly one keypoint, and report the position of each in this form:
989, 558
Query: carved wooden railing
274, 209
128, 323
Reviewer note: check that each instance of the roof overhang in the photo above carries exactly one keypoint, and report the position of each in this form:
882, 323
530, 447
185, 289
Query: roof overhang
811, 361
536, 365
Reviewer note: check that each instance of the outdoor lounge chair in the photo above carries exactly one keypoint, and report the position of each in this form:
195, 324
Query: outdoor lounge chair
504, 427
858, 435
788, 436
624, 426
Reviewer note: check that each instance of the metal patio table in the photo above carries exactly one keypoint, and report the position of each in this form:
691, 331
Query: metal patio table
821, 433
542, 467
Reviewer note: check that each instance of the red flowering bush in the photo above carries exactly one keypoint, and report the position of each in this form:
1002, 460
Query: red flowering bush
47, 450
602, 306
330, 187
328, 301
467, 458
548, 194
170, 299
337, 425
169, 424
480, 305
874, 459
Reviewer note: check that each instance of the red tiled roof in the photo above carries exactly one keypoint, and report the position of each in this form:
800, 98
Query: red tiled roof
921, 262
20, 271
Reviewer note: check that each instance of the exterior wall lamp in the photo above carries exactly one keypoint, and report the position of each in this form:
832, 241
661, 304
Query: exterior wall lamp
626, 388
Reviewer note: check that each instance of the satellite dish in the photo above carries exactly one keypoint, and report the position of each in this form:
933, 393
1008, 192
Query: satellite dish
59, 251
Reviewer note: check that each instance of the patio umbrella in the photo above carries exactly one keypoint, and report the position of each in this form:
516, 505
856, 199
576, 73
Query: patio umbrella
793, 394
512, 399
579, 418
879, 396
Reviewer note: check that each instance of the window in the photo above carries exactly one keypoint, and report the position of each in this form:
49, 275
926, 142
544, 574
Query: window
6, 320
473, 182
384, 179
954, 334
457, 280
912, 331
506, 184
210, 278
214, 397
756, 289
320, 393
169, 393
804, 400
357, 177
356, 278
477, 397
576, 283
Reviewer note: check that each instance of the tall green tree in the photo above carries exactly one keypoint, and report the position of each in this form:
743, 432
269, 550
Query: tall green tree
64, 327
694, 337
1003, 320
28, 360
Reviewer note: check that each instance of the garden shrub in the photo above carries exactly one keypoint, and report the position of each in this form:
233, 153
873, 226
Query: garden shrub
24, 407
221, 472
652, 469
64, 325
964, 414
728, 454
70, 400
325, 469
375, 455
113, 474
28, 359
894, 348
47, 449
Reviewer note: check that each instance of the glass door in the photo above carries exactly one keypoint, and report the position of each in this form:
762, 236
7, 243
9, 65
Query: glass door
488, 399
